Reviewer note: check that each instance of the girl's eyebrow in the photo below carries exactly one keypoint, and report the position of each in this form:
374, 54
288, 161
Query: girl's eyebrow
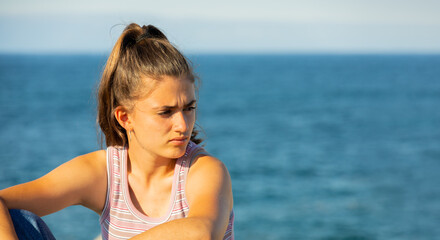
171, 107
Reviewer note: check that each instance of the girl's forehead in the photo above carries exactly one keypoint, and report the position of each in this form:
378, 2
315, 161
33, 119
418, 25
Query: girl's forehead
170, 91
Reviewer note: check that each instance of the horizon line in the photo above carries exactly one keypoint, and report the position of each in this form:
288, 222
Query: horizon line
216, 52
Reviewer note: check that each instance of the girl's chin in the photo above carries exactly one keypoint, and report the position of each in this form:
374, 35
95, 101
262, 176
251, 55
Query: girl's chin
177, 152
180, 154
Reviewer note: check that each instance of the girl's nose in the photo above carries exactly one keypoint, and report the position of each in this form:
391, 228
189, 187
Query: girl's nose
180, 122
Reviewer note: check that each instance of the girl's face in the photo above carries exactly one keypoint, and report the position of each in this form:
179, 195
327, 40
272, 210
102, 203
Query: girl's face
162, 122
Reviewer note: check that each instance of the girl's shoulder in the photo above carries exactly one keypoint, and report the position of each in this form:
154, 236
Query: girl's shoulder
95, 161
207, 164
209, 189
202, 162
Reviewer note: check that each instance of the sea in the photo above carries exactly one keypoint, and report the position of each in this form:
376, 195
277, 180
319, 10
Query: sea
318, 146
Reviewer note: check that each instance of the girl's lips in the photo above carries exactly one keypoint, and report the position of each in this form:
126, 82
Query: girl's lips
179, 140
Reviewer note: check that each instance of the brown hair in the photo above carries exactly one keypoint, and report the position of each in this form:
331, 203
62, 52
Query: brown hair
140, 52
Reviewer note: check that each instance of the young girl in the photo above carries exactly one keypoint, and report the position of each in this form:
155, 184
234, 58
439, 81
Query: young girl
153, 181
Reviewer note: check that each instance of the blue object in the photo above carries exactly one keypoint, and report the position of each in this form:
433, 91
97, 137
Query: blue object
29, 226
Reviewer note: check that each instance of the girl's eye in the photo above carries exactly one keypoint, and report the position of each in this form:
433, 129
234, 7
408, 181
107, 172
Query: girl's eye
190, 108
169, 112
166, 112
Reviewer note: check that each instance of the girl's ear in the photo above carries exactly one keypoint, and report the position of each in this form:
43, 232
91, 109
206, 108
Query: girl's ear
123, 118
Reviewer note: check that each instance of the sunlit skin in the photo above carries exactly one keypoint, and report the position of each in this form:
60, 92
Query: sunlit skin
160, 125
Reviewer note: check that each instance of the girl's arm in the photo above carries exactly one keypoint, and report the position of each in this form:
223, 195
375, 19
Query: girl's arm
209, 193
82, 180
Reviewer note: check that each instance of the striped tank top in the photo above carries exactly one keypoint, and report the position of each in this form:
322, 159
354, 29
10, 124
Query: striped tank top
120, 219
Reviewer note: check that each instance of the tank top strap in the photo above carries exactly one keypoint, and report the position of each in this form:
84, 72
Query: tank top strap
113, 158
184, 163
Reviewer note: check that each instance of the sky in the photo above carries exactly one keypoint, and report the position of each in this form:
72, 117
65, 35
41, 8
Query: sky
227, 26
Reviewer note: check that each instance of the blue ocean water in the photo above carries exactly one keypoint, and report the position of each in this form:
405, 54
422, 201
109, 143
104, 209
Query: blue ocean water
318, 146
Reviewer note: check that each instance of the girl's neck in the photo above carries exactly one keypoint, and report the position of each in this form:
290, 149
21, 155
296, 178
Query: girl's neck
146, 165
